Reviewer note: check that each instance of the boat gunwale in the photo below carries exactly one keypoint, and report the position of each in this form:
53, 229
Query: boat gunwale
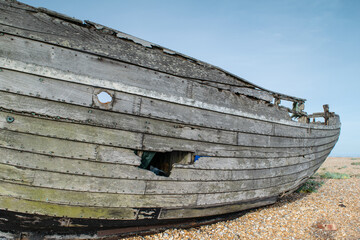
86, 24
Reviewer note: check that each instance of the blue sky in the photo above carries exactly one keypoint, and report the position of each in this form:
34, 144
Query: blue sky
308, 48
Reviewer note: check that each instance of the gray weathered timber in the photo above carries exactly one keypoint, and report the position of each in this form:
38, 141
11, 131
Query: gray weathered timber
255, 182
125, 139
60, 147
115, 187
164, 144
179, 100
73, 182
71, 161
108, 155
194, 212
206, 211
218, 198
46, 145
93, 199
71, 131
66, 210
127, 103
217, 175
168, 145
61, 112
206, 118
242, 174
33, 85
107, 72
114, 167
292, 131
249, 179
249, 163
245, 139
89, 41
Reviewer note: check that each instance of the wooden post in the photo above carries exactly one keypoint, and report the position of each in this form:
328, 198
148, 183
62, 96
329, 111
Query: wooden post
326, 113
277, 102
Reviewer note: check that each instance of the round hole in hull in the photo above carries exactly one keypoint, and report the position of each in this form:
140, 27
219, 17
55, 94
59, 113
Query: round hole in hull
104, 97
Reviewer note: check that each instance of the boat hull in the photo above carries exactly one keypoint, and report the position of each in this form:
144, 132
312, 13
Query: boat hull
72, 163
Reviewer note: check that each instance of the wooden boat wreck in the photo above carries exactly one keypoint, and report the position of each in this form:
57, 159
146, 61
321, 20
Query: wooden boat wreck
177, 138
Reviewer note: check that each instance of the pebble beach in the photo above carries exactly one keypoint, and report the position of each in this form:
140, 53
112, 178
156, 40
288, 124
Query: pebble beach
333, 212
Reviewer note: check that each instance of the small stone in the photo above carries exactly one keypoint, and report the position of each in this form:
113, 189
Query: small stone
327, 227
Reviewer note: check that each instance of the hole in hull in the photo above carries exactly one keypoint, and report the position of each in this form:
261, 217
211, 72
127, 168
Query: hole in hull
161, 163
104, 97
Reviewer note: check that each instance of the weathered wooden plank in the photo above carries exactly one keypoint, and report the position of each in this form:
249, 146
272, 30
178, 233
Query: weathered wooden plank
62, 210
180, 57
245, 90
114, 167
177, 112
122, 77
46, 145
112, 71
21, 103
248, 107
52, 57
113, 120
37, 193
211, 211
73, 198
111, 164
215, 136
245, 139
202, 117
33, 85
234, 101
18, 5
82, 38
158, 143
104, 118
249, 163
78, 182
108, 164
117, 156
126, 103
257, 180
223, 198
189, 187
60, 16
259, 94
71, 131
277, 181
309, 132
16, 174
86, 199
223, 175
41, 194
125, 107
